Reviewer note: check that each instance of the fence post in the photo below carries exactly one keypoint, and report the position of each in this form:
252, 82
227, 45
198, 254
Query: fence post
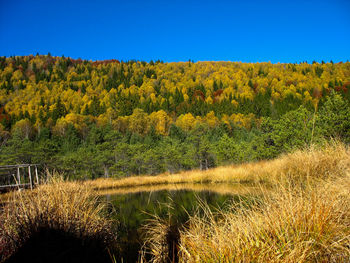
36, 175
18, 177
30, 178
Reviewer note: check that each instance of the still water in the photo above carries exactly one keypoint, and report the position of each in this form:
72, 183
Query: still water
131, 209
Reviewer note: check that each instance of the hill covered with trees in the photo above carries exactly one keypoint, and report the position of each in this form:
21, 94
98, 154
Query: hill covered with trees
111, 118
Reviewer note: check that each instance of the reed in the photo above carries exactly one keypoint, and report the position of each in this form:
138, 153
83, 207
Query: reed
220, 188
57, 222
161, 239
305, 217
313, 162
290, 226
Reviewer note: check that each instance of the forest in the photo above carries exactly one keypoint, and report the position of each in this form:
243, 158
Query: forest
90, 119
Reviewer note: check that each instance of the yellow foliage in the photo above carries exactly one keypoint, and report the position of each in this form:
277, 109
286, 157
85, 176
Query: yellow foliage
160, 121
80, 84
209, 100
153, 98
211, 119
235, 103
25, 128
139, 122
186, 121
186, 98
60, 128
242, 120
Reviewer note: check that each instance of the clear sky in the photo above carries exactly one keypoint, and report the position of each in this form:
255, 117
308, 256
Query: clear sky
248, 30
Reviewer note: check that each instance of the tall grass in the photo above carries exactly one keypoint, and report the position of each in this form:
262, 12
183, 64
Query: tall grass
162, 238
290, 226
305, 218
220, 188
58, 222
312, 162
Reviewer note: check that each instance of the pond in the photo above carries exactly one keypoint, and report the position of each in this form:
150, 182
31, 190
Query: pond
133, 208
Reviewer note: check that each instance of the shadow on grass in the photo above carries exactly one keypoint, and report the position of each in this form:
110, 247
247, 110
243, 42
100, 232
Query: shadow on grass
54, 245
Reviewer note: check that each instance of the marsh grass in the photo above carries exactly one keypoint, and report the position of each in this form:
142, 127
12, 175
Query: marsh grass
290, 226
219, 188
57, 222
315, 163
305, 217
161, 238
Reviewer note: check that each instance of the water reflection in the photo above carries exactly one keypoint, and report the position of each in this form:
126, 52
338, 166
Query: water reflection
131, 208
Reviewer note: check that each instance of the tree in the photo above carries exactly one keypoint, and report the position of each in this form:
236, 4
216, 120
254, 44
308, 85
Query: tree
4, 135
58, 110
104, 157
203, 152
139, 122
334, 118
171, 150
17, 150
211, 120
226, 149
186, 122
122, 159
70, 141
24, 128
160, 121
293, 130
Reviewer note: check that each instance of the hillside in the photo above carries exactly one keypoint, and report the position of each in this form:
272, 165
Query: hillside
112, 118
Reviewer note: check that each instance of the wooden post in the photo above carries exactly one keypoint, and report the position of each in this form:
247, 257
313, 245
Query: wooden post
36, 175
18, 177
30, 178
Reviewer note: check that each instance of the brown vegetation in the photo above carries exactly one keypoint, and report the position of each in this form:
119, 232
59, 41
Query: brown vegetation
304, 219
58, 222
223, 188
315, 163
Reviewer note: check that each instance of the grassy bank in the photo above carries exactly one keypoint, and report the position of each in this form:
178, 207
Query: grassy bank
306, 218
303, 217
222, 189
57, 222
290, 226
312, 162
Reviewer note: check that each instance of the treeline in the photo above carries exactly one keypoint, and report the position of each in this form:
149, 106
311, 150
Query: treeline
111, 118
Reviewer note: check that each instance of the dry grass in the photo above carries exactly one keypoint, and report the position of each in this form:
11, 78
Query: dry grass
290, 226
157, 233
64, 216
223, 189
161, 239
306, 218
312, 162
4, 197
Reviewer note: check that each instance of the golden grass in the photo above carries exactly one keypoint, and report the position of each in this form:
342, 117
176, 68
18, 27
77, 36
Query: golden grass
312, 162
4, 197
305, 218
57, 207
220, 188
291, 226
161, 241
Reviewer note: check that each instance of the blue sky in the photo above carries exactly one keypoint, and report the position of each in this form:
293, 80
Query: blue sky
248, 31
